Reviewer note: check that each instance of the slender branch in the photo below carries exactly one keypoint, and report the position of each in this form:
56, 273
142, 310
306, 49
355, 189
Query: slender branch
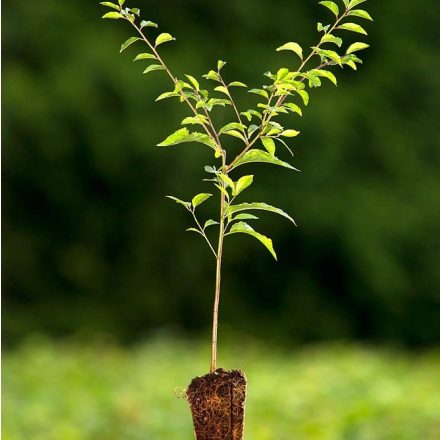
234, 105
213, 135
203, 233
218, 273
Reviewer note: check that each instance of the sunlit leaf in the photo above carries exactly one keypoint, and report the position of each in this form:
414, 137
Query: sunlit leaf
354, 3
232, 126
329, 38
260, 156
163, 38
167, 95
332, 6
154, 67
353, 27
356, 47
290, 133
222, 89
232, 209
129, 42
209, 223
293, 108
237, 84
183, 135
194, 120
110, 5
294, 47
220, 64
326, 74
194, 82
243, 183
113, 15
245, 217
145, 56
187, 205
269, 144
200, 198
229, 182
244, 228
147, 23
360, 13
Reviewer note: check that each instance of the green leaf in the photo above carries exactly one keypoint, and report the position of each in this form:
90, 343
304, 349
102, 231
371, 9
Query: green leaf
110, 5
243, 183
148, 23
304, 95
290, 133
129, 42
136, 11
260, 156
326, 74
245, 217
229, 182
220, 64
145, 56
194, 230
235, 133
232, 126
194, 82
121, 2
209, 223
244, 228
269, 144
332, 6
187, 205
237, 84
212, 76
294, 47
200, 198
360, 13
260, 92
329, 38
113, 15
353, 27
322, 28
163, 38
346, 2
167, 95
357, 46
222, 89
293, 108
354, 3
194, 120
232, 209
154, 67
183, 135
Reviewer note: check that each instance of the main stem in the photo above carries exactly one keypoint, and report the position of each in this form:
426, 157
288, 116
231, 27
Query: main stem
218, 278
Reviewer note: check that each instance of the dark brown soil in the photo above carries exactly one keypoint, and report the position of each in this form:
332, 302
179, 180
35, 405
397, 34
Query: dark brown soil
217, 402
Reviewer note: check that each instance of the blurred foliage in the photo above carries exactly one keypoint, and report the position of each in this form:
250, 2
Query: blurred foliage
91, 245
81, 392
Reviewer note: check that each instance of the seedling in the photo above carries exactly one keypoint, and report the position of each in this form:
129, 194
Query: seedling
261, 135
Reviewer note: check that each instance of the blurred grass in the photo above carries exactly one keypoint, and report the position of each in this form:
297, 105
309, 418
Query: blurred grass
76, 391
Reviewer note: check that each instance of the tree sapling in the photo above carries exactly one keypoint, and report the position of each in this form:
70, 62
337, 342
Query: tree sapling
217, 400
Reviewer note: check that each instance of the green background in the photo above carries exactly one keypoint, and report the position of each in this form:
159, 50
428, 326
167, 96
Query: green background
91, 246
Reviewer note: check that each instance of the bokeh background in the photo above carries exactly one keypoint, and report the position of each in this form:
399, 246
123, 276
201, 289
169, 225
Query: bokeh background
96, 263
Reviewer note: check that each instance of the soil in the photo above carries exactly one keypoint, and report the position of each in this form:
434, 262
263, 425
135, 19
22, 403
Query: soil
217, 402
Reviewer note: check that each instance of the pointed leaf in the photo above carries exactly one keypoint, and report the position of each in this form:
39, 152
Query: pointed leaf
110, 5
259, 92
209, 223
232, 126
113, 15
154, 67
183, 135
147, 23
163, 38
129, 42
229, 182
353, 27
243, 183
194, 82
332, 6
145, 56
244, 228
200, 198
294, 47
167, 95
293, 108
237, 84
245, 217
354, 3
222, 89
232, 209
326, 74
269, 144
220, 64
187, 205
260, 156
290, 133
360, 13
329, 38
357, 46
